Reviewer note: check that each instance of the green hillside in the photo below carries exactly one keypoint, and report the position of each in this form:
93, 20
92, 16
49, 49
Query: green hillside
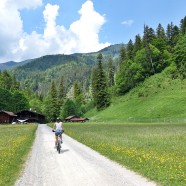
38, 73
11, 64
159, 98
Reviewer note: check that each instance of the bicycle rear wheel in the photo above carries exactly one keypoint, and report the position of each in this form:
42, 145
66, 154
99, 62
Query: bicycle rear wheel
59, 146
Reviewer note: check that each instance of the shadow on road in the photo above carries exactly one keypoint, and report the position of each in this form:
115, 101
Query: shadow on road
64, 150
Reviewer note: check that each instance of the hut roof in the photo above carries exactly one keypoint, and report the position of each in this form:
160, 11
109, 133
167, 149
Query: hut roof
70, 117
79, 119
29, 111
9, 113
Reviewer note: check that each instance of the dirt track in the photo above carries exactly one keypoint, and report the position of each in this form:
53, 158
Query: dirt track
77, 165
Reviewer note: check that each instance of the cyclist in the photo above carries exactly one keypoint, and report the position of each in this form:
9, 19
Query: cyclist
58, 128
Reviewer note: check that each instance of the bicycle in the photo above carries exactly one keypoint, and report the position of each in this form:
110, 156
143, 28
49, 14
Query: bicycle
59, 142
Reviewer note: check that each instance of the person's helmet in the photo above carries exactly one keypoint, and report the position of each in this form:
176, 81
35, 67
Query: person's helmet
58, 118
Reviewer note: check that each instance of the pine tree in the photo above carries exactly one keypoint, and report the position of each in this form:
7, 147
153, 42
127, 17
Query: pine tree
169, 34
110, 73
161, 39
54, 106
77, 91
148, 38
94, 82
130, 50
137, 44
123, 53
183, 26
5, 80
172, 33
100, 89
61, 92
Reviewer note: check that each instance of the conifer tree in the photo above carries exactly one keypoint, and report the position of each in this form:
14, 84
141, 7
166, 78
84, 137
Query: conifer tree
137, 44
5, 80
77, 90
110, 73
122, 56
130, 50
169, 34
123, 53
61, 92
93, 83
78, 98
161, 39
54, 106
148, 38
183, 26
100, 89
172, 33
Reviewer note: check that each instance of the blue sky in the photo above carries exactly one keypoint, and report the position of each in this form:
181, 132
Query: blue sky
30, 29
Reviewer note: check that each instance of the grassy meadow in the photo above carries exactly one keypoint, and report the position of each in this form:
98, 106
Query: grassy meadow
159, 98
15, 143
156, 151
144, 130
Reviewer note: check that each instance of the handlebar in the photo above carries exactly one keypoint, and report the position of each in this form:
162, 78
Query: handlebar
55, 131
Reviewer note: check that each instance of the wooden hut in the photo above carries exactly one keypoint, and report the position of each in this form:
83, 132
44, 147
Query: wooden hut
79, 119
68, 119
75, 119
31, 117
7, 117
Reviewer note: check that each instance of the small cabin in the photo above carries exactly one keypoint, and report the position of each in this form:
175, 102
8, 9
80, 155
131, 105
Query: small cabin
7, 117
31, 117
79, 119
76, 119
68, 119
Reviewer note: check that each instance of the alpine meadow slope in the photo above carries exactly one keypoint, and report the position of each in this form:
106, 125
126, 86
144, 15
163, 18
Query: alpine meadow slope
158, 99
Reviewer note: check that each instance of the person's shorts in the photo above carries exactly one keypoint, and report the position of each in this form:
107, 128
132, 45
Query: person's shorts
58, 132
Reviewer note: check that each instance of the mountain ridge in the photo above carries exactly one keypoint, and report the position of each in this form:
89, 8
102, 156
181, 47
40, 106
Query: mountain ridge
112, 50
38, 73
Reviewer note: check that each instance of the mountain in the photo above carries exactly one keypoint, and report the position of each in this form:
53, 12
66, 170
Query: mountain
112, 51
38, 73
12, 64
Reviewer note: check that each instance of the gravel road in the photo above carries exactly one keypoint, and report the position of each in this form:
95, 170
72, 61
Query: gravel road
77, 165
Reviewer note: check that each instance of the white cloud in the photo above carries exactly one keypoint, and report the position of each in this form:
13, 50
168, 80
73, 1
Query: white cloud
21, 4
81, 36
87, 28
50, 13
128, 22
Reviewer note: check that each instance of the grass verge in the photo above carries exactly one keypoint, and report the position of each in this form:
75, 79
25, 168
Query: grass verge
156, 151
15, 143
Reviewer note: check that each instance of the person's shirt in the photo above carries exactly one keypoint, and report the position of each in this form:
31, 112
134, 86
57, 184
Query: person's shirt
59, 125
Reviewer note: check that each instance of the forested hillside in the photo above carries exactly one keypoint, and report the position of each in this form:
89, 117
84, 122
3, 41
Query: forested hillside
62, 85
39, 73
11, 64
12, 98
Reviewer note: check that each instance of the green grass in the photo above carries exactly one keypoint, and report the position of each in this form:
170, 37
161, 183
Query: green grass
158, 97
15, 143
156, 151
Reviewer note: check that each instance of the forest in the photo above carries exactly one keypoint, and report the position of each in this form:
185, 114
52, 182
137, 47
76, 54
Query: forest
62, 85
